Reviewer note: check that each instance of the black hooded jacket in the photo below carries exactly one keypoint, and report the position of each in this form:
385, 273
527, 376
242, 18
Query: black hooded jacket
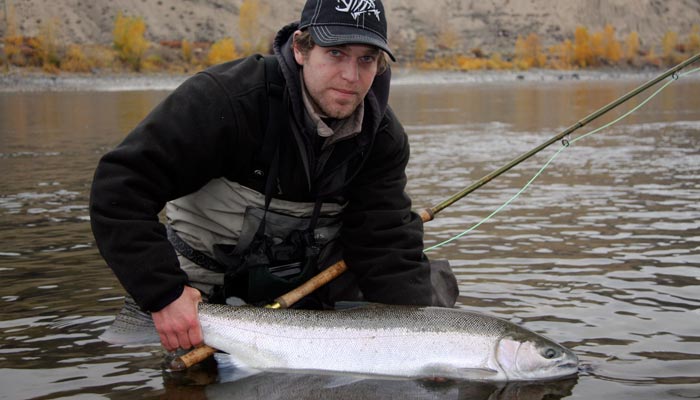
212, 126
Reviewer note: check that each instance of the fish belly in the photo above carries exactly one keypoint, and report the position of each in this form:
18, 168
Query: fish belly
387, 352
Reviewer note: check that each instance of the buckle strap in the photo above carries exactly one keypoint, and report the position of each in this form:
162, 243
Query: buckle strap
193, 254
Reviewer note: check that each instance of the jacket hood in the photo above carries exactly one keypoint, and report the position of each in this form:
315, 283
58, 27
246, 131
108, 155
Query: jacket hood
377, 98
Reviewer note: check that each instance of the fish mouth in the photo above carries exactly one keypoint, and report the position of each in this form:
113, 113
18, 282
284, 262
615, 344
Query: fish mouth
570, 365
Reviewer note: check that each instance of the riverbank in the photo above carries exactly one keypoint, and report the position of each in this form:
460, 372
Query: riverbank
27, 81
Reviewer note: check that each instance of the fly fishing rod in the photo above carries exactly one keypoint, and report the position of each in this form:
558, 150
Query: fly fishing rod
202, 352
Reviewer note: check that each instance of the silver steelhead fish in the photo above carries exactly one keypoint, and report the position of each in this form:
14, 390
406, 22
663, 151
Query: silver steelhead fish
392, 341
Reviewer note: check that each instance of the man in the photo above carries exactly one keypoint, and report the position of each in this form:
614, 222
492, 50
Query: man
272, 168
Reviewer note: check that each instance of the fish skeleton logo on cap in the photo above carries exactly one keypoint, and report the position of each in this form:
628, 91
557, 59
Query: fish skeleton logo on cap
358, 7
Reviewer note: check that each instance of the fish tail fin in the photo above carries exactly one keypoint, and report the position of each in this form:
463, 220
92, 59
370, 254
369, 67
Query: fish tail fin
131, 326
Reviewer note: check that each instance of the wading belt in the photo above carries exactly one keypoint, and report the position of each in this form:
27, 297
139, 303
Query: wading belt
193, 254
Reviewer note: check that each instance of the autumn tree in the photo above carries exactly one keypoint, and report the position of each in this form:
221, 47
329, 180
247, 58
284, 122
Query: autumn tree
562, 55
129, 40
221, 51
529, 52
420, 48
249, 17
612, 49
48, 45
186, 49
668, 47
651, 58
693, 43
597, 48
631, 46
582, 47
75, 60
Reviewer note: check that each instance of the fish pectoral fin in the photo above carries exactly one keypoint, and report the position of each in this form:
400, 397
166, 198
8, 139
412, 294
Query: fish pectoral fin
452, 371
230, 369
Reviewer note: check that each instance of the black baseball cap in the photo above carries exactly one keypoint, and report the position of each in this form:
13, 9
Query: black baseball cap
336, 22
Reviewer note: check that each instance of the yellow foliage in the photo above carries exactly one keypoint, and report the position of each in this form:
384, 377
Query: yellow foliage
670, 48
221, 51
48, 45
669, 43
652, 59
249, 17
186, 51
153, 63
129, 40
420, 48
130, 47
612, 49
497, 62
22, 51
562, 55
631, 46
592, 49
529, 53
247, 24
693, 44
520, 52
12, 49
465, 63
75, 60
582, 47
597, 48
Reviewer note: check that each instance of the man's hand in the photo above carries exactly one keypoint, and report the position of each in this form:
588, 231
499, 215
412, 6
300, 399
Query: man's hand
178, 323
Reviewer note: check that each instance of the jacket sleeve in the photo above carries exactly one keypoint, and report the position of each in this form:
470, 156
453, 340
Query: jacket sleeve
382, 239
175, 150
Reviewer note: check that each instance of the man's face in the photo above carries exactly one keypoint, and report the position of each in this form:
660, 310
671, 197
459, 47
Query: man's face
338, 78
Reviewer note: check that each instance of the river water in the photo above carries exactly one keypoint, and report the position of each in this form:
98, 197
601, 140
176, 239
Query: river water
600, 253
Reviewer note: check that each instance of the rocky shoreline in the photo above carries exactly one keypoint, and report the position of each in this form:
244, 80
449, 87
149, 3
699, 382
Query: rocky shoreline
39, 82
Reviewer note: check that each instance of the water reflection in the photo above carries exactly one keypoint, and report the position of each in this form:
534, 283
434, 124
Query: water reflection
198, 384
601, 253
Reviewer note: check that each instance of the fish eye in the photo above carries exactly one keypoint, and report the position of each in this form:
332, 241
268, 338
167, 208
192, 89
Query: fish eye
550, 353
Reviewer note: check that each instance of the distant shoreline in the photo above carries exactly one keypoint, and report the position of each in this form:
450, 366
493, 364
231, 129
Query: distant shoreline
24, 81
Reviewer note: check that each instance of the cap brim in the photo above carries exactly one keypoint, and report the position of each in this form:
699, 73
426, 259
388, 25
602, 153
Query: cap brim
335, 35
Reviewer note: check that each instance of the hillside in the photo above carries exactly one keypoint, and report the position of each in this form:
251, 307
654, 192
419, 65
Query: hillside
490, 25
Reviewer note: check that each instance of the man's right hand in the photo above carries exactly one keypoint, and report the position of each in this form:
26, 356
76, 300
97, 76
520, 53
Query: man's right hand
178, 323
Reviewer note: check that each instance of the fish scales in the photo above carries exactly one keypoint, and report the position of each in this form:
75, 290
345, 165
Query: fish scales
397, 341
336, 345
382, 340
372, 317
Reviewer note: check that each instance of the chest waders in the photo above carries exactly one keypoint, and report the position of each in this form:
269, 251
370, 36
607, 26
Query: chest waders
269, 265
282, 253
